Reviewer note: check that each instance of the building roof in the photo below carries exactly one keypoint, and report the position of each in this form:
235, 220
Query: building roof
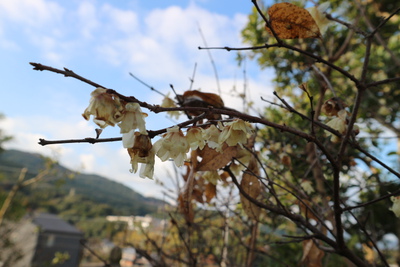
51, 223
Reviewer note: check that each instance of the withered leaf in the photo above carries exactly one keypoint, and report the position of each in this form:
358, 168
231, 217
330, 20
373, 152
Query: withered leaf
210, 192
312, 255
197, 195
213, 160
251, 185
291, 22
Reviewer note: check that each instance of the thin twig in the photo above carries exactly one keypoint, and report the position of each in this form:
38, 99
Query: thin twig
348, 25
211, 59
44, 142
83, 243
192, 78
383, 22
66, 72
145, 84
290, 47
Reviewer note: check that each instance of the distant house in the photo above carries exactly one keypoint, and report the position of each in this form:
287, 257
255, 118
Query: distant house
44, 237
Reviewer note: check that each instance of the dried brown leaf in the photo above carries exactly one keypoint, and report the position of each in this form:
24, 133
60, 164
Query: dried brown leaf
251, 185
291, 22
312, 255
197, 195
213, 160
210, 192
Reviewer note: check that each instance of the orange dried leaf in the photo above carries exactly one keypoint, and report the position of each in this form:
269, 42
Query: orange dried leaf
197, 195
194, 98
210, 192
213, 160
369, 253
291, 22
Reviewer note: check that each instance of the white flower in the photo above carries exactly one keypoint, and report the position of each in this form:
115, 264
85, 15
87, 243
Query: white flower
133, 119
235, 133
105, 108
142, 152
173, 145
194, 137
396, 205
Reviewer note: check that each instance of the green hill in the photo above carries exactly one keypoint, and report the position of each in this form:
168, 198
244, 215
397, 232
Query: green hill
82, 196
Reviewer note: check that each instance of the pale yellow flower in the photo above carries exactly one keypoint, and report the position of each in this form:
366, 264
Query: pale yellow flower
194, 137
133, 119
169, 103
106, 108
212, 177
396, 205
307, 186
235, 133
142, 152
339, 124
317, 12
173, 145
211, 135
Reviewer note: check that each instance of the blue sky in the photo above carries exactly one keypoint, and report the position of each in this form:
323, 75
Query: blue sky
104, 41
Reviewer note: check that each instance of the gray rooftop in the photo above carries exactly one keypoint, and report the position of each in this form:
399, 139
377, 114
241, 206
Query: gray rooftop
51, 223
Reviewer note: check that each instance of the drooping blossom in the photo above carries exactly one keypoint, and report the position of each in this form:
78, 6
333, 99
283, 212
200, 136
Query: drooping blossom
211, 135
317, 12
169, 103
142, 152
106, 108
174, 145
339, 124
194, 137
235, 133
307, 186
212, 177
133, 119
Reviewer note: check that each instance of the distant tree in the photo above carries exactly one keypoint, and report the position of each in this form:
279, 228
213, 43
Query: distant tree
3, 137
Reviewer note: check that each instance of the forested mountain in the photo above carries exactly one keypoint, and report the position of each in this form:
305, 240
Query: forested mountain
69, 194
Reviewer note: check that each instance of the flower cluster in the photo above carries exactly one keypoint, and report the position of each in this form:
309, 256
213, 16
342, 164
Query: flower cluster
108, 109
174, 144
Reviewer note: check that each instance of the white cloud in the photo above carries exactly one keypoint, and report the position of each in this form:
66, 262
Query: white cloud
33, 13
88, 19
164, 48
125, 21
